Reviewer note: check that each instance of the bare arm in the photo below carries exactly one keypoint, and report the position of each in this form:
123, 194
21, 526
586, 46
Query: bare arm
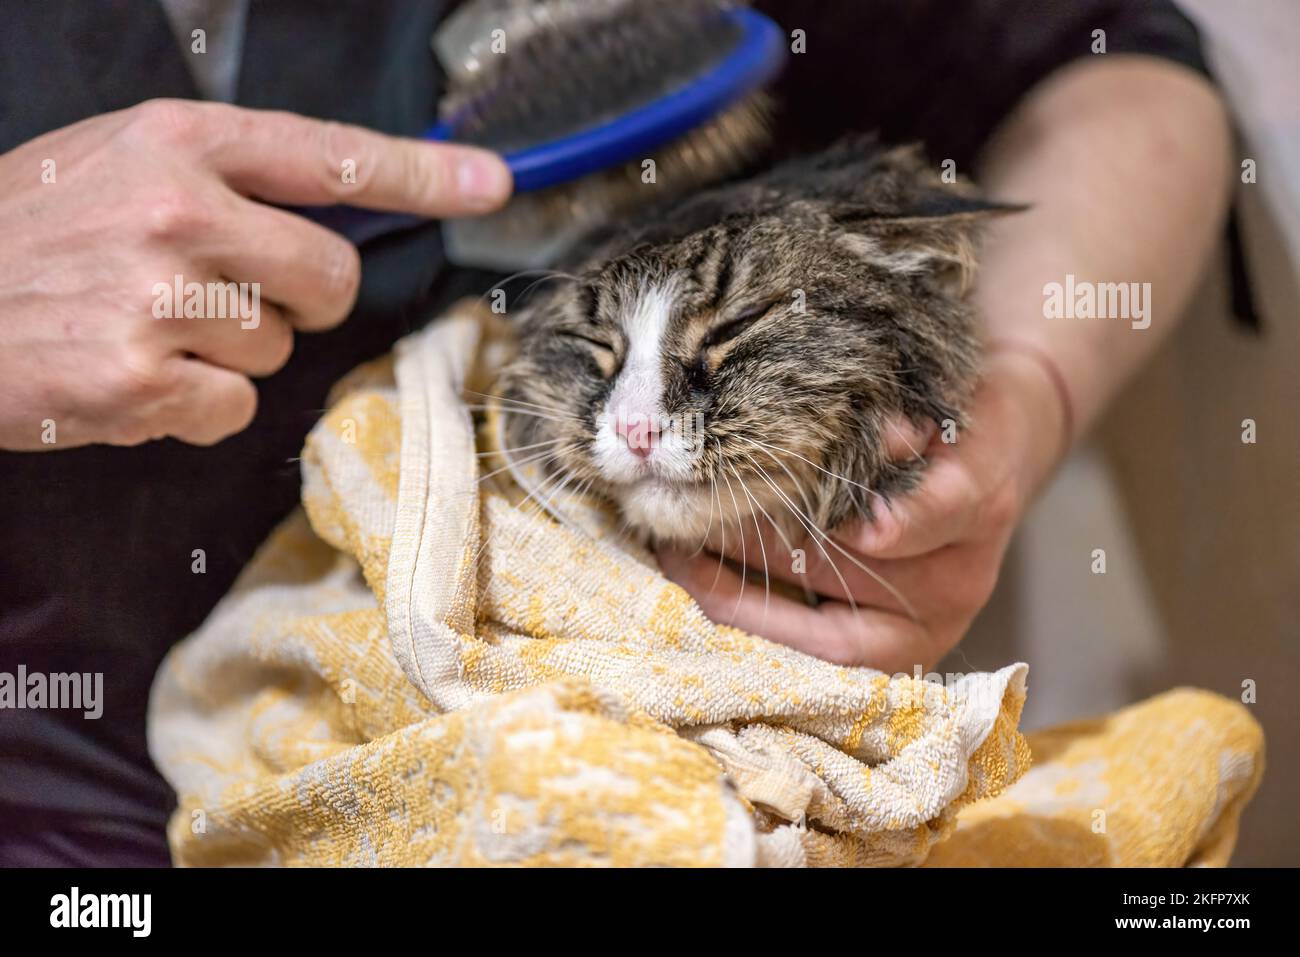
1126, 162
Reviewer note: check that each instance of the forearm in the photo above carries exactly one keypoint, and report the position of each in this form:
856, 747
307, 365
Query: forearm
1125, 161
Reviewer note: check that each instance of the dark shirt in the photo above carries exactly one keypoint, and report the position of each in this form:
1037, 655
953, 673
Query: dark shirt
97, 543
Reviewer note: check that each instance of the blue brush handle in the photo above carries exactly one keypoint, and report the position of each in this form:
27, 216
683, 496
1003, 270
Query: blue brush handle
758, 56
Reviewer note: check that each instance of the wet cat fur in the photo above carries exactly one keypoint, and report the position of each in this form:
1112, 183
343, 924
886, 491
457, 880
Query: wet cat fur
794, 313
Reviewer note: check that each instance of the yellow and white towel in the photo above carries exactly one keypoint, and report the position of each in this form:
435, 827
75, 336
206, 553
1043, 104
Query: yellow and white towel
422, 668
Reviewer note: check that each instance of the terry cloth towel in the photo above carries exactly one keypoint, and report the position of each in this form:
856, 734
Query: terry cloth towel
424, 667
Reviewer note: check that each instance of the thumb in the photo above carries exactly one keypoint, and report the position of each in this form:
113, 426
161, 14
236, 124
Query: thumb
905, 440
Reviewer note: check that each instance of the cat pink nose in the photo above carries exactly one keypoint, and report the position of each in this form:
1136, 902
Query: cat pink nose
639, 433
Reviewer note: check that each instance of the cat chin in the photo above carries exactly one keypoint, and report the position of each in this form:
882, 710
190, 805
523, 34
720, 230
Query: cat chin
669, 512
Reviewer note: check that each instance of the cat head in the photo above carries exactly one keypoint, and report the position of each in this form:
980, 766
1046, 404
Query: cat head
740, 353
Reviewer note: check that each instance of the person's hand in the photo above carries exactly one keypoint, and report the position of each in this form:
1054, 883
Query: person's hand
98, 219
939, 547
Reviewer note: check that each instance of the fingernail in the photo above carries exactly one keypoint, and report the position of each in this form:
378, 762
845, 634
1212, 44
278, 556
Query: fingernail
483, 179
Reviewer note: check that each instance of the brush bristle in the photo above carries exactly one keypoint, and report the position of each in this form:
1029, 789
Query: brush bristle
578, 63
569, 65
535, 229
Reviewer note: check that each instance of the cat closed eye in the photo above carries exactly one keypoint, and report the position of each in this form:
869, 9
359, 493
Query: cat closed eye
589, 340
601, 352
734, 327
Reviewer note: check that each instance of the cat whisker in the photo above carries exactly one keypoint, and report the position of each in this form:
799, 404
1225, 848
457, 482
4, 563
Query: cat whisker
767, 584
894, 592
535, 495
740, 525
511, 464
509, 411
491, 538
479, 553
536, 282
547, 501
903, 601
834, 475
809, 595
503, 404
511, 400
523, 272
497, 407
518, 448
546, 274
722, 529
911, 448
482, 548
704, 538
809, 525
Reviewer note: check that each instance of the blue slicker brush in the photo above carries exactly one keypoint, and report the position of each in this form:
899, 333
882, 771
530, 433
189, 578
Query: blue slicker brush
578, 96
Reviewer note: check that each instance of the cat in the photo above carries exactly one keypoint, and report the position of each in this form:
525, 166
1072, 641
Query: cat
737, 354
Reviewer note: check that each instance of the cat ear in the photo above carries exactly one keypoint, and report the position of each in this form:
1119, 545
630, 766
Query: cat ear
934, 240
